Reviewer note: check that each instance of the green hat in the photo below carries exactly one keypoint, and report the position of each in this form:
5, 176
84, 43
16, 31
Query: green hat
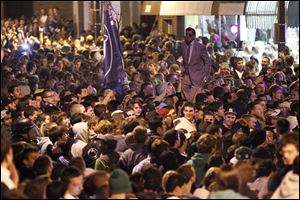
119, 182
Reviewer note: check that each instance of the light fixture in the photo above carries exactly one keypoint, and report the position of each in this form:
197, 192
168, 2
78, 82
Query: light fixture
234, 29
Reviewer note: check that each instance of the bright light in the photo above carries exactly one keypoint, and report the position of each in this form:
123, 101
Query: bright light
25, 46
234, 29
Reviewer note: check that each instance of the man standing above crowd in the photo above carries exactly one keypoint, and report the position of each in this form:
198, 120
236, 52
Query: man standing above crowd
196, 65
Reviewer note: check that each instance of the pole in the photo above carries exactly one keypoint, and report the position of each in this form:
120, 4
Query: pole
97, 17
201, 25
238, 37
281, 24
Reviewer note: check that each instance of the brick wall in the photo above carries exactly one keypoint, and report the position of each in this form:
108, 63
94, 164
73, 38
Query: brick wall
65, 7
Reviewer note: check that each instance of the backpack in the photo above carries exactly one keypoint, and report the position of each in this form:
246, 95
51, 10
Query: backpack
91, 152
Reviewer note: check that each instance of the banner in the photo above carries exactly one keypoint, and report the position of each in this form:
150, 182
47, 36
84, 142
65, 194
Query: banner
113, 60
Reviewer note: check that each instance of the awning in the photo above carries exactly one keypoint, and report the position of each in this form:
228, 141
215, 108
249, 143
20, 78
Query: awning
180, 8
260, 14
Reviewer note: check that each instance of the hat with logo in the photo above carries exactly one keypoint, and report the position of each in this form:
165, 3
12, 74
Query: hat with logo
230, 111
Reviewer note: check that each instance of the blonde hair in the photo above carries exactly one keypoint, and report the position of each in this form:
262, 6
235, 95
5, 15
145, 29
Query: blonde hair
104, 127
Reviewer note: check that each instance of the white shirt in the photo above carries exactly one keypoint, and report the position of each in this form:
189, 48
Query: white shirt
240, 74
5, 178
184, 123
191, 51
69, 196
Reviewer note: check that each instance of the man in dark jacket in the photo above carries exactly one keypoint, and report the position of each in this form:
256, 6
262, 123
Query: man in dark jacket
137, 151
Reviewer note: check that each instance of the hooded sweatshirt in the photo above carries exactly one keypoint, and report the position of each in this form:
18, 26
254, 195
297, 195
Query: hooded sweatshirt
199, 162
81, 131
43, 143
288, 188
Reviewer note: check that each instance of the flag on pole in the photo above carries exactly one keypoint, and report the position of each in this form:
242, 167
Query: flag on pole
113, 60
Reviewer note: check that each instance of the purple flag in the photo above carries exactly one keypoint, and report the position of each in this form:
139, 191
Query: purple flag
113, 60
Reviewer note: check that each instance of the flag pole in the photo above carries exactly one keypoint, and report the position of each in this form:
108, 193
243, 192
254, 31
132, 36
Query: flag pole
102, 16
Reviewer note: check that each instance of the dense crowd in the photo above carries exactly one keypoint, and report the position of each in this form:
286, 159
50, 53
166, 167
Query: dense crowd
64, 135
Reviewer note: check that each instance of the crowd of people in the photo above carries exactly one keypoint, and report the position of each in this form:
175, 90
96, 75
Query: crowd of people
64, 135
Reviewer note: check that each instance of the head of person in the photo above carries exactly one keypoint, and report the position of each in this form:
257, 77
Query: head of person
43, 166
189, 111
27, 157
239, 64
215, 160
56, 189
173, 183
206, 143
172, 137
108, 143
152, 179
81, 91
276, 92
289, 148
282, 126
265, 61
250, 120
156, 147
214, 129
217, 108
25, 129
8, 104
36, 188
295, 94
209, 117
76, 108
50, 97
137, 107
147, 89
230, 117
96, 182
190, 34
58, 133
228, 178
256, 109
156, 124
14, 91
129, 113
260, 88
74, 179
140, 134
78, 163
188, 173
119, 183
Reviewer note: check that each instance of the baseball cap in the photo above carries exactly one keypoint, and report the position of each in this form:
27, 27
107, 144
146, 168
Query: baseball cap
230, 111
